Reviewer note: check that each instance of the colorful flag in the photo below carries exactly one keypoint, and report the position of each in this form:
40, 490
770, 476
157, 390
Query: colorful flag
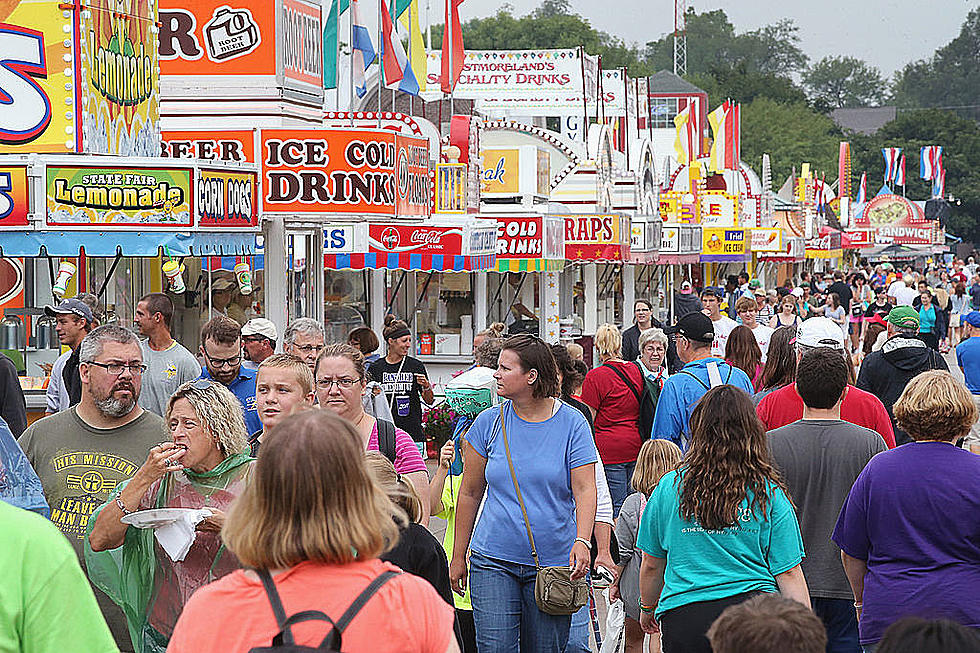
891, 155
736, 136
684, 140
363, 50
900, 172
452, 47
409, 18
397, 72
939, 184
844, 169
862, 195
930, 161
720, 153
330, 43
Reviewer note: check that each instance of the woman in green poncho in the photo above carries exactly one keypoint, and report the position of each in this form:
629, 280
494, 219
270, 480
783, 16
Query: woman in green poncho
203, 466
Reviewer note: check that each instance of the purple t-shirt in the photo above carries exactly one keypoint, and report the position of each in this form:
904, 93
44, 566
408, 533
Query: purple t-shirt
914, 515
407, 456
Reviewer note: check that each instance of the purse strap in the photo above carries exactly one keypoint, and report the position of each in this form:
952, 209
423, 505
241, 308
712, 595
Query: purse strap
517, 489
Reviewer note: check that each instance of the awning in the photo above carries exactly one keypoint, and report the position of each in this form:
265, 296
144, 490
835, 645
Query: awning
678, 259
129, 243
462, 245
826, 245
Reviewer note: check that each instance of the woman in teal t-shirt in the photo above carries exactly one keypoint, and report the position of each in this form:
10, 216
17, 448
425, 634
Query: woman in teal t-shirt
718, 530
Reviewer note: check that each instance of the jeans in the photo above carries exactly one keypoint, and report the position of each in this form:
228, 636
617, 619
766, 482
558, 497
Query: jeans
840, 620
578, 635
505, 614
618, 477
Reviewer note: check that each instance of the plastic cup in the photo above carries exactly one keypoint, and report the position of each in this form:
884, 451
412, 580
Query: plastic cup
175, 276
66, 270
244, 275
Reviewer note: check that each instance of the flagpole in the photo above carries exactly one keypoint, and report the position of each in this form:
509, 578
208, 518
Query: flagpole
585, 98
336, 21
350, 16
381, 60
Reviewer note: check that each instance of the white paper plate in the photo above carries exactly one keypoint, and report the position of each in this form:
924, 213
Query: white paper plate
156, 517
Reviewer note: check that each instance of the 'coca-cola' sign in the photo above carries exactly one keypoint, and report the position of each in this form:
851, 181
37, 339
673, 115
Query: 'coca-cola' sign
415, 239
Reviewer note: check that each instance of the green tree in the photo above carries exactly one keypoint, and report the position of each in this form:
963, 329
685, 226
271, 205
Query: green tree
911, 130
772, 50
791, 134
951, 78
845, 82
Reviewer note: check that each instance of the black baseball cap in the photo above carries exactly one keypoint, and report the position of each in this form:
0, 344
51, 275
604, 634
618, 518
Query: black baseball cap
694, 326
70, 307
713, 292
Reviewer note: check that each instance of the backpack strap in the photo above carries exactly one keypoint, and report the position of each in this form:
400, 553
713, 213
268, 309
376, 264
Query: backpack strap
693, 376
333, 639
626, 380
386, 439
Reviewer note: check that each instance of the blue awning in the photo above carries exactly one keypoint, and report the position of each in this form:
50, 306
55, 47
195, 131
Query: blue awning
130, 243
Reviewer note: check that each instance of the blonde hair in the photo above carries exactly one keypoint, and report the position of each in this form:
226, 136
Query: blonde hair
304, 377
220, 413
656, 458
935, 406
398, 488
608, 341
576, 351
311, 498
495, 330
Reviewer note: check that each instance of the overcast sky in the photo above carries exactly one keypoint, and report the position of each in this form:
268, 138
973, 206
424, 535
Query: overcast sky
885, 33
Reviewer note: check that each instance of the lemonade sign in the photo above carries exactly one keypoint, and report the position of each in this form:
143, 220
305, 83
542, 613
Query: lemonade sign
138, 197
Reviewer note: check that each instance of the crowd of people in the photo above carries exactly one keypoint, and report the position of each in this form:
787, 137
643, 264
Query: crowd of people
792, 470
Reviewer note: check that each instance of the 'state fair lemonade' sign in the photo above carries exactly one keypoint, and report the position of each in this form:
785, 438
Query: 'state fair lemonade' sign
141, 197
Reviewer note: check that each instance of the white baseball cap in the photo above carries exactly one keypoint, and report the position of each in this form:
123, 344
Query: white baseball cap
820, 332
797, 292
259, 326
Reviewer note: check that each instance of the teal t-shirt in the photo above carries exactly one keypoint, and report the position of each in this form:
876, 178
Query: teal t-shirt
709, 565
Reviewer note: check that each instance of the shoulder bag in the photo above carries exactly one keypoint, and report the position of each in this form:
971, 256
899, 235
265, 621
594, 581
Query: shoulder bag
554, 590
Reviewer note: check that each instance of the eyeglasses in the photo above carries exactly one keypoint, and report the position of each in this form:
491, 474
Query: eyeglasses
218, 363
344, 382
115, 369
308, 349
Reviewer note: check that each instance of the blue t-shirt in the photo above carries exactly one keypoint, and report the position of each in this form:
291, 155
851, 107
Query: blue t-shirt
968, 358
710, 565
544, 453
927, 319
681, 393
243, 387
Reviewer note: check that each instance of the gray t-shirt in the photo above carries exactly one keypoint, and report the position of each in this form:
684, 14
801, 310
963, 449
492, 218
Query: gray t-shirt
820, 460
165, 372
79, 467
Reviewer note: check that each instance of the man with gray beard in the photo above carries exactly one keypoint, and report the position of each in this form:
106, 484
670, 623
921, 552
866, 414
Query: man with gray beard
83, 453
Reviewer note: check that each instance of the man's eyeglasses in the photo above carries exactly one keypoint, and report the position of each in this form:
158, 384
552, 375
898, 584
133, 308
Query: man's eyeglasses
344, 382
218, 363
308, 349
115, 369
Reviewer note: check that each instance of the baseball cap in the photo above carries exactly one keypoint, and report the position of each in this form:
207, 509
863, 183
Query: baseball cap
259, 326
904, 317
686, 287
755, 283
820, 332
711, 291
70, 307
972, 318
221, 284
797, 292
759, 292
694, 326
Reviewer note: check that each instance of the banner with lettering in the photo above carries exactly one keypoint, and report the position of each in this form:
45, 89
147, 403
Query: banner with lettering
424, 247
592, 238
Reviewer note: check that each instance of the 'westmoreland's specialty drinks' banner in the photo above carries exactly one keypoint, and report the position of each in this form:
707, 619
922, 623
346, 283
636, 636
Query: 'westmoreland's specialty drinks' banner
525, 81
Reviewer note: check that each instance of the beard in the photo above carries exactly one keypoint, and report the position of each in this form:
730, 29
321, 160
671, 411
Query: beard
110, 406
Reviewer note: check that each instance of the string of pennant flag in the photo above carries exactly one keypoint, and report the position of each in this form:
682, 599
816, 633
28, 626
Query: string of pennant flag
930, 167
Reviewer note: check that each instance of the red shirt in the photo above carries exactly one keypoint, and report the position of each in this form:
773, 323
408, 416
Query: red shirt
616, 411
784, 406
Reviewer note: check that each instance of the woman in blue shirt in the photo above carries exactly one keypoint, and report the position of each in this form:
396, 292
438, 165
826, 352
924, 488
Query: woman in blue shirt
719, 530
554, 461
929, 321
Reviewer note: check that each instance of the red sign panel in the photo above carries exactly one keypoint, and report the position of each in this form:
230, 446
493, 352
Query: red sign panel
227, 199
519, 237
597, 237
344, 171
236, 146
415, 239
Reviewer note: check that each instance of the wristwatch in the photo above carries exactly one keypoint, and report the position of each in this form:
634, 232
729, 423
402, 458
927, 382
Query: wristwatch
588, 544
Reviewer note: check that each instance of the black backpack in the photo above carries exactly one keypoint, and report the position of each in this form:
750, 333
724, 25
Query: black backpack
386, 439
283, 642
646, 398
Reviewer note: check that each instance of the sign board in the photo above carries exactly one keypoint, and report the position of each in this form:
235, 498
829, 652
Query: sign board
79, 80
431, 240
718, 208
528, 237
614, 93
217, 38
344, 171
767, 240
670, 239
299, 46
898, 220
545, 82
597, 237
342, 239
132, 197
14, 197
501, 172
236, 146
227, 199
451, 187
861, 238
723, 244
826, 246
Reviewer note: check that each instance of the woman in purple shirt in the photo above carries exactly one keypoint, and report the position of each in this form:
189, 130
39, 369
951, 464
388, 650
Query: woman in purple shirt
909, 531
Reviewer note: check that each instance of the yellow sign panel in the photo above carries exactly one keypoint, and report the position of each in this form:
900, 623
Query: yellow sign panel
723, 244
501, 172
37, 84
